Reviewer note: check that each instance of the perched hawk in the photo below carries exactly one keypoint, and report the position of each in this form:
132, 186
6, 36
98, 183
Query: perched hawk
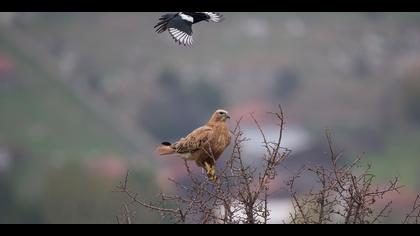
204, 145
180, 24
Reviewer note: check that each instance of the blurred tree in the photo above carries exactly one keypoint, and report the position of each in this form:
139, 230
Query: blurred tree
410, 96
12, 208
207, 97
360, 67
6, 198
287, 82
159, 115
169, 80
179, 107
88, 74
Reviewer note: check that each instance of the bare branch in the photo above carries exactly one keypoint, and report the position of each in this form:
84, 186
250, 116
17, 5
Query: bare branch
414, 215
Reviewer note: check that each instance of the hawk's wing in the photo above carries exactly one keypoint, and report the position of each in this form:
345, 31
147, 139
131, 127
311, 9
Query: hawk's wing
195, 140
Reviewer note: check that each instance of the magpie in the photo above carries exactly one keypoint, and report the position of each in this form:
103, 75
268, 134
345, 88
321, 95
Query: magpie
179, 25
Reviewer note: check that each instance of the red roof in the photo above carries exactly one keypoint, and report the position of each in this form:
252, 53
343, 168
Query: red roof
6, 64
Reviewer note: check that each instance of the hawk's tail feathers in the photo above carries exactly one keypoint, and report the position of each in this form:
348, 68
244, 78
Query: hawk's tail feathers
165, 149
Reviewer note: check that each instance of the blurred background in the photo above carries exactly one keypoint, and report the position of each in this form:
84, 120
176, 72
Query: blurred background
86, 96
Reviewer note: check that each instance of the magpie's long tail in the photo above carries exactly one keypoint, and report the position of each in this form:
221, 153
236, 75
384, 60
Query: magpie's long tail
163, 22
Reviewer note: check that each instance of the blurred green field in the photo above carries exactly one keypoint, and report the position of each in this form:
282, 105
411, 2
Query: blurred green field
40, 113
56, 133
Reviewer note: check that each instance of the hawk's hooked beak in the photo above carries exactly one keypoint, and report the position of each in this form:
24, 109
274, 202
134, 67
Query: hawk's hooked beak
227, 117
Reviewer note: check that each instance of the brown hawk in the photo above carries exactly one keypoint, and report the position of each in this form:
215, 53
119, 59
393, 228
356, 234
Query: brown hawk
204, 145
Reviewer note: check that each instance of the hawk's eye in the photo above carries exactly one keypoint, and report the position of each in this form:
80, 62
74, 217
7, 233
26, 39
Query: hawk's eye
221, 113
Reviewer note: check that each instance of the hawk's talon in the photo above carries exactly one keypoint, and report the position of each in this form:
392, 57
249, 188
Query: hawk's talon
213, 178
211, 171
208, 167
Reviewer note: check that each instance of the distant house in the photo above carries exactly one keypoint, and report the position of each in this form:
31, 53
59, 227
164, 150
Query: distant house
8, 72
279, 210
6, 65
109, 166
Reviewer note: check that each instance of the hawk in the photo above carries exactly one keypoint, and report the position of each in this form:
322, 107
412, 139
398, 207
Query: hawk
179, 25
204, 145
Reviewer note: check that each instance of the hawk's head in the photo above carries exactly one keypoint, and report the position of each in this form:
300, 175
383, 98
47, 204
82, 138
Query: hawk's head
220, 115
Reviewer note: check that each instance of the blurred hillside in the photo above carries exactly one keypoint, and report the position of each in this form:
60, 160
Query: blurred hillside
84, 96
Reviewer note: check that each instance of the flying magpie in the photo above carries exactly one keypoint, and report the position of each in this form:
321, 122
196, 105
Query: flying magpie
179, 25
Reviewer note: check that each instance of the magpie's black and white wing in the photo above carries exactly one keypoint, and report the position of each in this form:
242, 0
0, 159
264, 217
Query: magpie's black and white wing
162, 25
180, 28
214, 16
